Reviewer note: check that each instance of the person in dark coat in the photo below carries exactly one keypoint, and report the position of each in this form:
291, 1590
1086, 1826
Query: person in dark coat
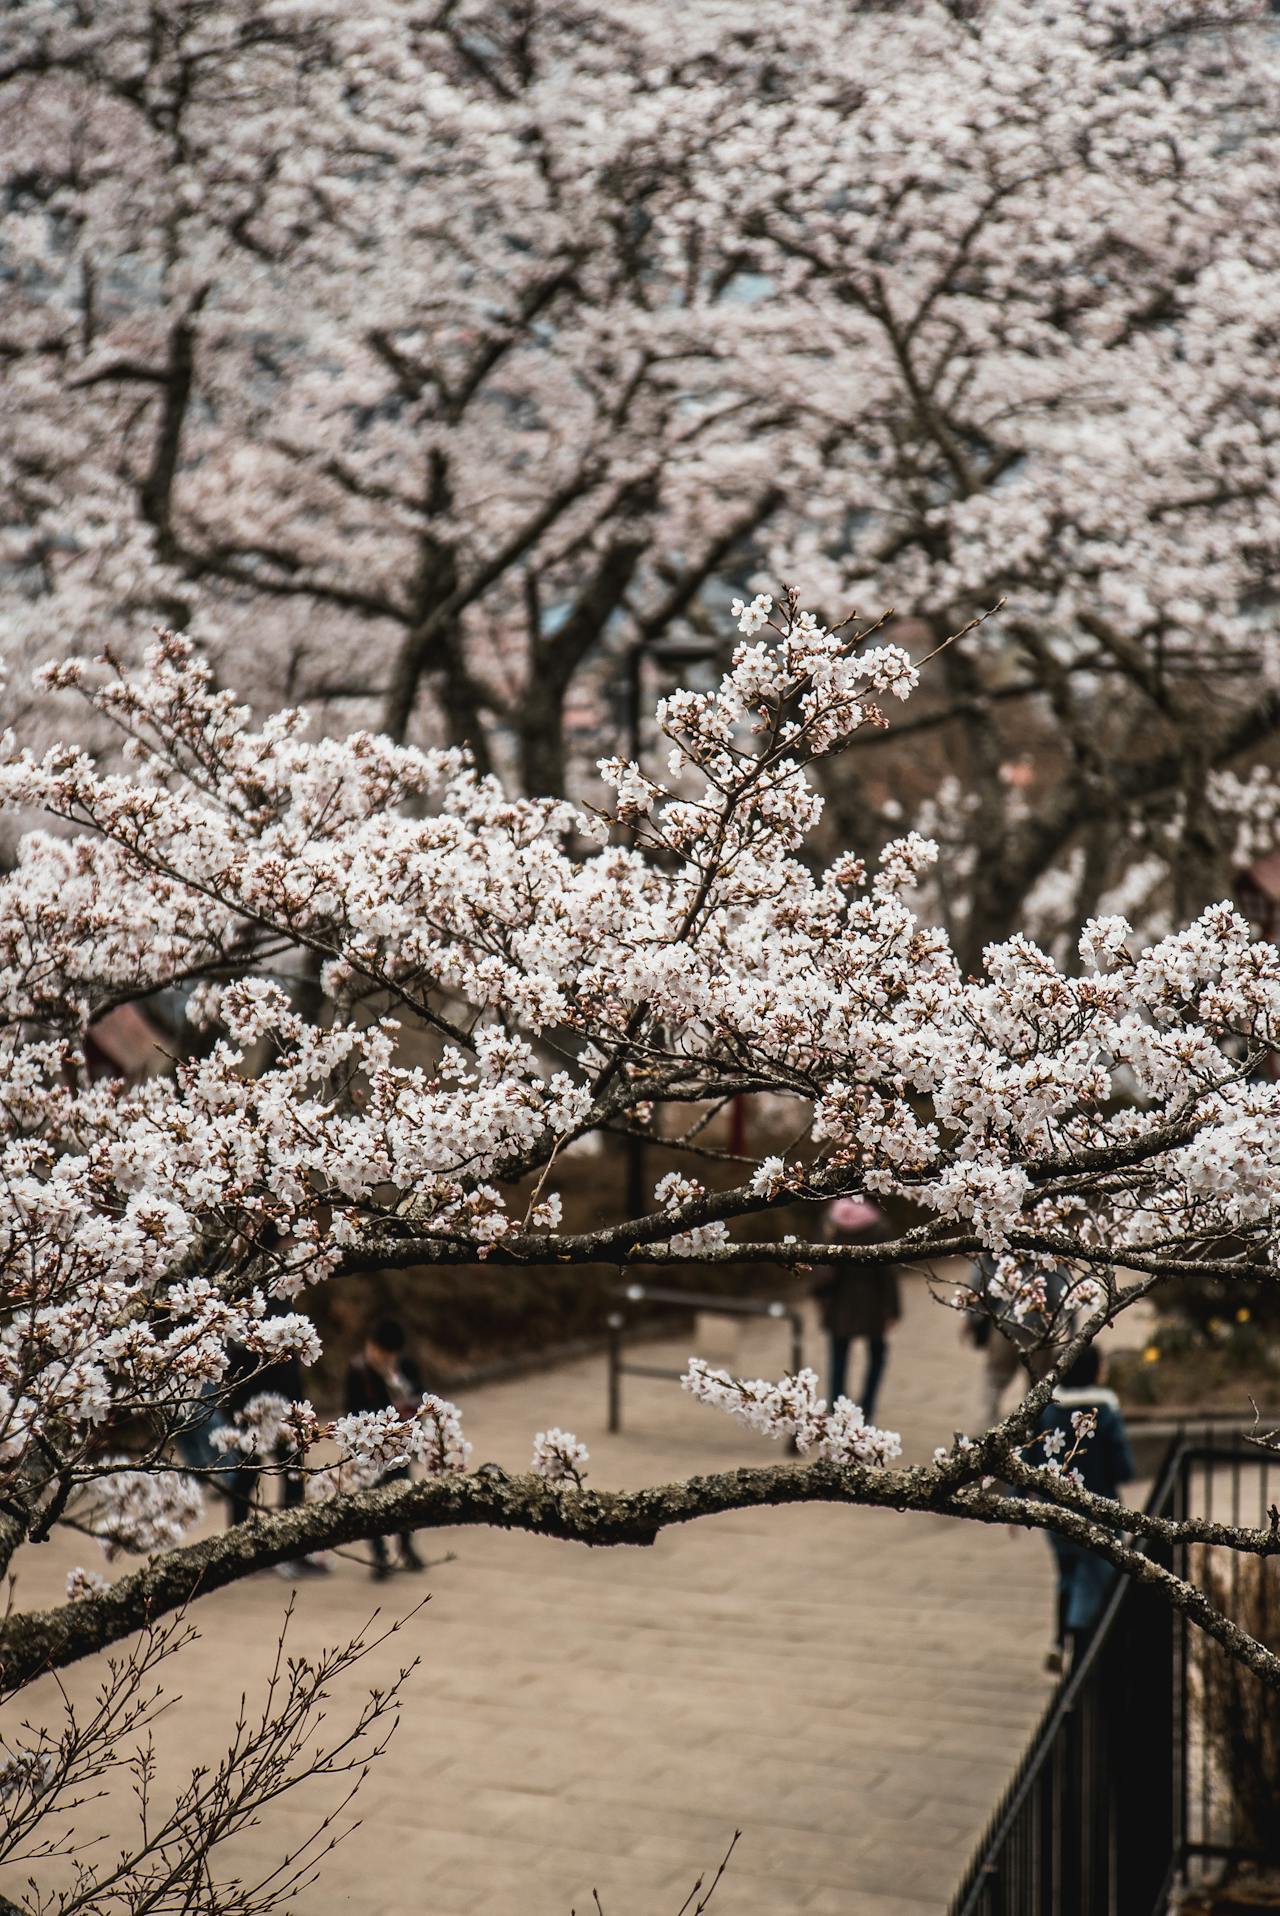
284, 1379
385, 1376
230, 1473
240, 1481
858, 1301
1104, 1462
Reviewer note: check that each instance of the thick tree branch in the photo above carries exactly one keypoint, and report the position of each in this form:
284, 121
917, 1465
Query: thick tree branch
419, 644
33, 1642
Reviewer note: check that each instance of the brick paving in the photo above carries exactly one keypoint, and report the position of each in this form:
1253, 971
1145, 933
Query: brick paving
851, 1688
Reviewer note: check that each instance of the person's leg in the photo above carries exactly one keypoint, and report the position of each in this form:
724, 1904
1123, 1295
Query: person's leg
202, 1416
378, 1545
839, 1366
409, 1558
239, 1487
1064, 1565
294, 1492
877, 1352
195, 1440
1090, 1588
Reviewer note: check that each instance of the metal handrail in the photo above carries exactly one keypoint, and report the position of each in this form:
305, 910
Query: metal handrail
1064, 1697
1161, 1496
1056, 1807
710, 1305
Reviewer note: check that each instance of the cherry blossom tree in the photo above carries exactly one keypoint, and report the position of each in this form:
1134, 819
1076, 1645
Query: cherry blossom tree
397, 322
503, 979
428, 362
1054, 314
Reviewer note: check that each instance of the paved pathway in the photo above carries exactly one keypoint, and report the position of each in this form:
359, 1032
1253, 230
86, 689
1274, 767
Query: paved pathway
851, 1688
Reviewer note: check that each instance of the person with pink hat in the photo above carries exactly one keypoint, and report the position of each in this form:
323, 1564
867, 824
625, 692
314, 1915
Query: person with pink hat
858, 1300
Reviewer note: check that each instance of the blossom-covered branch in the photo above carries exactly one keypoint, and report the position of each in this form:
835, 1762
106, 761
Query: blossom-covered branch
1108, 1119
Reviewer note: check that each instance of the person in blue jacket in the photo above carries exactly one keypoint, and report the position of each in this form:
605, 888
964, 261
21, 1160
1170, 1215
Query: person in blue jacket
1104, 1462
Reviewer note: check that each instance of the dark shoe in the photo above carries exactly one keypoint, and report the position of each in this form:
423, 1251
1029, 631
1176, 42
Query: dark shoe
1053, 1663
380, 1572
409, 1558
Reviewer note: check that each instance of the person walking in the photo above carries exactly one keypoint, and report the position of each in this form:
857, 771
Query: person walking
385, 1376
240, 1480
284, 1379
1104, 1462
858, 1301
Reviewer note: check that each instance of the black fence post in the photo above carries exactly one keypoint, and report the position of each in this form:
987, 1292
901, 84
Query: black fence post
1182, 1652
797, 1343
1142, 1688
615, 1370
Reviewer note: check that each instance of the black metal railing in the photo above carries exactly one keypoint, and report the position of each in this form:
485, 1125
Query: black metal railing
1217, 1812
1122, 1790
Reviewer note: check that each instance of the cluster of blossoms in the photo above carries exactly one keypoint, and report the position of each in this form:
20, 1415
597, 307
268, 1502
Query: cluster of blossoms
104, 1311
754, 617
373, 1442
552, 974
1057, 1457
1253, 803
560, 1458
768, 1176
85, 1583
140, 1511
1033, 1290
674, 1190
793, 1409
267, 1422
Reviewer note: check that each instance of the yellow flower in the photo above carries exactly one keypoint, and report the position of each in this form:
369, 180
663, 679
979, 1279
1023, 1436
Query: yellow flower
1243, 1314
1151, 1355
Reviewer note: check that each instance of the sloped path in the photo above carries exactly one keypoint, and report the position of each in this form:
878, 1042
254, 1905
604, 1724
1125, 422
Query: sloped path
851, 1688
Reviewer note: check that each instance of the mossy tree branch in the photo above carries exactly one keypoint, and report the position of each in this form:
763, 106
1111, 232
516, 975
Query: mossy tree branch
34, 1642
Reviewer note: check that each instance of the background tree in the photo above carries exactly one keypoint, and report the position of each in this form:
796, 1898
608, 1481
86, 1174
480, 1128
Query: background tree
399, 326
1042, 259
429, 363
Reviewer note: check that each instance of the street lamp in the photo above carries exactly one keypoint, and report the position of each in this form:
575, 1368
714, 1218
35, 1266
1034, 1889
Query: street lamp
669, 657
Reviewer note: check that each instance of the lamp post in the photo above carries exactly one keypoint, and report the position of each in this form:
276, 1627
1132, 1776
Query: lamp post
669, 659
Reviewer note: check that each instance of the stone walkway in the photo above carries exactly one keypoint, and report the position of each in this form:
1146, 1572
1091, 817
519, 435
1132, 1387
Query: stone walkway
850, 1688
